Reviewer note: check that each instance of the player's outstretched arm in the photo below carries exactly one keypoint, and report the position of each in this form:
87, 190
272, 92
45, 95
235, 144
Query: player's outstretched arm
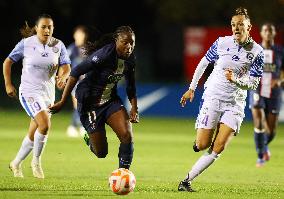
67, 91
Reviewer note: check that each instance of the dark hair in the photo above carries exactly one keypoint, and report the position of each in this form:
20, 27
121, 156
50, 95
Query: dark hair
27, 31
267, 24
242, 11
84, 29
91, 47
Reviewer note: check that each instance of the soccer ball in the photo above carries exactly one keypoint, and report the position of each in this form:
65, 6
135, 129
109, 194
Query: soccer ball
122, 181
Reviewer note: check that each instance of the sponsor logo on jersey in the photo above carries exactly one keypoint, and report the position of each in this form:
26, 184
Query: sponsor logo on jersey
52, 68
269, 68
44, 54
114, 78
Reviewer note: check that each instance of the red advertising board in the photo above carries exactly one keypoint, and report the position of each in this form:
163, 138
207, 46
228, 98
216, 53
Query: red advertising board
197, 41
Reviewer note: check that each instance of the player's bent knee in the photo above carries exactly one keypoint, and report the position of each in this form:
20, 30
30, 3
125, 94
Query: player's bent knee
43, 128
202, 146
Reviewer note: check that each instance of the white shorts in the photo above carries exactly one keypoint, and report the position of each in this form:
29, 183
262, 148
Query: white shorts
33, 103
214, 111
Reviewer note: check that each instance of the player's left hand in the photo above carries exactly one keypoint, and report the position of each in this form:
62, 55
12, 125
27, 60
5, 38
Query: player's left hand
60, 82
134, 116
229, 74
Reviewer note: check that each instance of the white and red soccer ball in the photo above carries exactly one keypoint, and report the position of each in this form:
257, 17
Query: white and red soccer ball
122, 181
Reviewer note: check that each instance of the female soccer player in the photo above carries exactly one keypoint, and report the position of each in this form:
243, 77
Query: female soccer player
97, 100
265, 102
43, 57
238, 67
76, 54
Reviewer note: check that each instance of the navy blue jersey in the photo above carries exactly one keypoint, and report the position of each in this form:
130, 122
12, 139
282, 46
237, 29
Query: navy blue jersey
277, 64
273, 65
76, 54
103, 69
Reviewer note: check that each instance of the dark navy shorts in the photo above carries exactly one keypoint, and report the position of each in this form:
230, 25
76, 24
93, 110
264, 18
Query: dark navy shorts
270, 105
95, 119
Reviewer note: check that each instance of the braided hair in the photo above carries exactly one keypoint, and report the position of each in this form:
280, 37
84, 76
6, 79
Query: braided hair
108, 38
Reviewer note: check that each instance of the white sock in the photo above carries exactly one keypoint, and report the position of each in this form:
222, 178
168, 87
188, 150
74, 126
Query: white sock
39, 143
24, 151
201, 164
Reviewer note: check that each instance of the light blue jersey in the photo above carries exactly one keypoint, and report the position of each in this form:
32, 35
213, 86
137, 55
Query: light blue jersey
40, 64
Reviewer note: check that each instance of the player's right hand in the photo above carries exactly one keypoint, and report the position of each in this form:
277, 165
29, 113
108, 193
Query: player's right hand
11, 91
56, 107
188, 95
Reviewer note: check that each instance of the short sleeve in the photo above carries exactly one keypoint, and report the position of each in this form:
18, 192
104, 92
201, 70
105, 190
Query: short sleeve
64, 57
18, 52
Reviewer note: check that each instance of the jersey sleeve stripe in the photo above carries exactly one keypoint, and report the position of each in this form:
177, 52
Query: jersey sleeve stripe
256, 69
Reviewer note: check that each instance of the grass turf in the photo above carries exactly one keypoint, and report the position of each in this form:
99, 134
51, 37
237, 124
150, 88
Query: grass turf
163, 155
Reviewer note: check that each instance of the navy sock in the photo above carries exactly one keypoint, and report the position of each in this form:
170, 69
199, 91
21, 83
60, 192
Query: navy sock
270, 137
259, 139
125, 155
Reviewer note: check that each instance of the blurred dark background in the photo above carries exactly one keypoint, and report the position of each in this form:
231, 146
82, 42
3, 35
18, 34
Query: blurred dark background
158, 24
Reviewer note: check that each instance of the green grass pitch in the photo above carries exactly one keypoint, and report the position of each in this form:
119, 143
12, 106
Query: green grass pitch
163, 155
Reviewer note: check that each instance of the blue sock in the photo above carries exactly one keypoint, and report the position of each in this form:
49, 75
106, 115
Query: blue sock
260, 140
270, 137
125, 155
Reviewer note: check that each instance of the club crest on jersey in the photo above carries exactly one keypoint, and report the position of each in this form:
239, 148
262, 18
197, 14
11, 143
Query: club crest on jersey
55, 49
235, 58
95, 59
44, 54
250, 56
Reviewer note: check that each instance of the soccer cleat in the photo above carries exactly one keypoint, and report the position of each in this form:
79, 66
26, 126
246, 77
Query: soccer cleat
185, 186
37, 170
87, 139
17, 170
195, 149
259, 163
266, 155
